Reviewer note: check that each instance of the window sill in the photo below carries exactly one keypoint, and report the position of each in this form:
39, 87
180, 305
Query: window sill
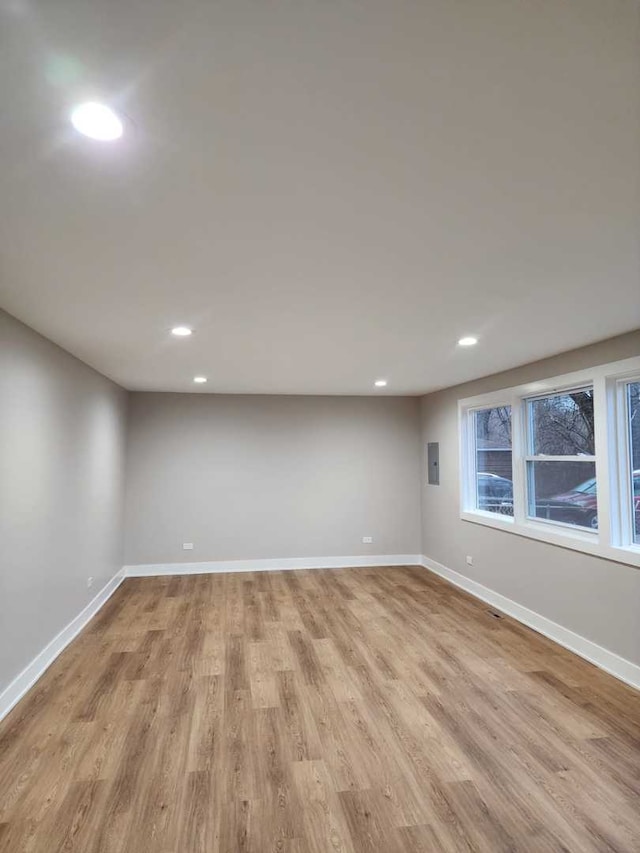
575, 540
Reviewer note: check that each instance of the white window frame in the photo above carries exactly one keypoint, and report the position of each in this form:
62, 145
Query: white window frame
614, 538
469, 484
622, 512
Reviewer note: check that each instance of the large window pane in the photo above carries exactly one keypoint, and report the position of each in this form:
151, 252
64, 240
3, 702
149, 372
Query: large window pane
562, 424
564, 492
633, 409
494, 487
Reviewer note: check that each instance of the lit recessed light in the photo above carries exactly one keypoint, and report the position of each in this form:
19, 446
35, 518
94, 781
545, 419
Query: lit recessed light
468, 342
97, 121
181, 331
200, 379
380, 383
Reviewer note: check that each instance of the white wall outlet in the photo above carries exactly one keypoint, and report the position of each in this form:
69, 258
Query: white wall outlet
187, 546
469, 560
89, 582
367, 540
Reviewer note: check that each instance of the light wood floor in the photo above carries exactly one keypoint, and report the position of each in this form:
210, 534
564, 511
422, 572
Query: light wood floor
341, 710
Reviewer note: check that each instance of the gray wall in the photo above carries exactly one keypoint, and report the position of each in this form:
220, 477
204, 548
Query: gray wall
247, 477
596, 598
62, 447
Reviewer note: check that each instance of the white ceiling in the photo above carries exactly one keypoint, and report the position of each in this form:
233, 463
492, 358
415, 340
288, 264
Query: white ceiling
329, 191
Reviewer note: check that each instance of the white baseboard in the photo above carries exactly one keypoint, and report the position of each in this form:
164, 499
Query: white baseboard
12, 694
274, 565
610, 662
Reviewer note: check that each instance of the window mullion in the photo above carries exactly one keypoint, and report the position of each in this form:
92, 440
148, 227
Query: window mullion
601, 426
518, 464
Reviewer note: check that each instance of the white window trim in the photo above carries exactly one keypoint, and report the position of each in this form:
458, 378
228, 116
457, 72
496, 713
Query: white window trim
615, 518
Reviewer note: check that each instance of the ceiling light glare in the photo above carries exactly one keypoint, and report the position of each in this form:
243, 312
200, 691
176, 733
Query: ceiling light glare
181, 331
97, 121
469, 341
380, 383
200, 379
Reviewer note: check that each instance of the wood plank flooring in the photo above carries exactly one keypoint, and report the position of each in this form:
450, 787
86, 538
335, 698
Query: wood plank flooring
343, 710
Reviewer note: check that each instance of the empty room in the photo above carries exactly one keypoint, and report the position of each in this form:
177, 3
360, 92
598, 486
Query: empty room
320, 426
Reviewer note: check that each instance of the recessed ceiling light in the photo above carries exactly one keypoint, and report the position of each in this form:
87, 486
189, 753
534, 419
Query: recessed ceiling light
181, 331
468, 342
97, 121
200, 379
380, 383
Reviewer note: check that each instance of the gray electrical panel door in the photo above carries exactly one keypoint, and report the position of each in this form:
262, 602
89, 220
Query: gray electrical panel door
433, 463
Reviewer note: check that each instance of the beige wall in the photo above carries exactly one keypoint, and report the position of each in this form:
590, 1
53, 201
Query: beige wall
596, 598
62, 446
246, 477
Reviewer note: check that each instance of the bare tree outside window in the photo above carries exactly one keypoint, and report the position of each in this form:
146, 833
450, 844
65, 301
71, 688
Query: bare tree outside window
563, 425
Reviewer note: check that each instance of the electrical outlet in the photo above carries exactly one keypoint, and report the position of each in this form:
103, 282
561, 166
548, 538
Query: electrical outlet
469, 560
367, 540
89, 582
187, 546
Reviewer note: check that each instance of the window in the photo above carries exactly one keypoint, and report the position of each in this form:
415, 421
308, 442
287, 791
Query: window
493, 486
558, 460
561, 472
633, 474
